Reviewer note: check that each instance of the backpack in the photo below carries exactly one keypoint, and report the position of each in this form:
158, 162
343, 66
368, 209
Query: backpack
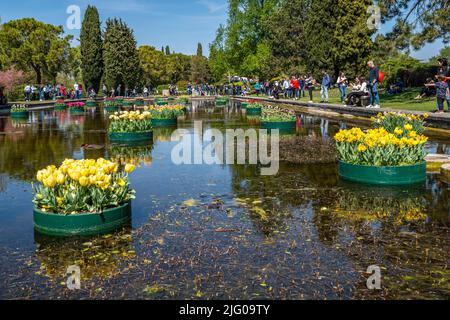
381, 76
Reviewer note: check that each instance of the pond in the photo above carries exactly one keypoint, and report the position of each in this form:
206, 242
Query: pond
221, 231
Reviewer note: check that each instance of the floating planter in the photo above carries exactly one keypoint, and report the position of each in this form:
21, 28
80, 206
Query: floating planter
182, 101
221, 102
82, 224
377, 156
161, 103
254, 109
165, 115
128, 104
82, 198
119, 101
60, 106
76, 107
19, 111
281, 125
139, 102
132, 126
91, 104
383, 175
275, 118
244, 105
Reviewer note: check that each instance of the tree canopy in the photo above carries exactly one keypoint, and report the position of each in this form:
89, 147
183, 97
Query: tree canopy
29, 44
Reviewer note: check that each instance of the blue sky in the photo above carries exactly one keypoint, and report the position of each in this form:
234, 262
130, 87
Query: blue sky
181, 24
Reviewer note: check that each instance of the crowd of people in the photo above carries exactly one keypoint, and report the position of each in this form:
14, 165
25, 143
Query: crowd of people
364, 91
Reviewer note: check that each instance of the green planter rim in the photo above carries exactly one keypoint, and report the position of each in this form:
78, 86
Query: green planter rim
383, 175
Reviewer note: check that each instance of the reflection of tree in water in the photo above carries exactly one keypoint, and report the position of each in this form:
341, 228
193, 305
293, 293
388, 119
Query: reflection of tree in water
99, 257
94, 133
137, 154
37, 146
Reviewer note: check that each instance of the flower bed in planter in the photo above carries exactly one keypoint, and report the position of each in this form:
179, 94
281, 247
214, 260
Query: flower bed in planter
132, 126
82, 198
275, 118
254, 109
76, 107
377, 156
60, 106
165, 115
19, 111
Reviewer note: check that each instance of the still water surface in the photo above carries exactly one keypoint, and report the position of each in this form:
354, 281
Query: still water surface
221, 231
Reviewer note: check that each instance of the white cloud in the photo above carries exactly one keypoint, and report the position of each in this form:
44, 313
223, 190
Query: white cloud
212, 6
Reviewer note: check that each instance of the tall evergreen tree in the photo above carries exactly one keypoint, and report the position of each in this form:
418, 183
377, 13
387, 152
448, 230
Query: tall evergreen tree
199, 50
167, 51
91, 49
352, 43
121, 57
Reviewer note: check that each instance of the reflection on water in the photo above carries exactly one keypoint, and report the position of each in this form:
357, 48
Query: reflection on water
221, 231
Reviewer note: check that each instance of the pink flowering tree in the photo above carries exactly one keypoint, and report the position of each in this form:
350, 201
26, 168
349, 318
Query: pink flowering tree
10, 78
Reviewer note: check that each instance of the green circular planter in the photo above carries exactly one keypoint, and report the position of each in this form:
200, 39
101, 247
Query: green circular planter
162, 103
139, 103
60, 108
91, 104
111, 108
254, 111
21, 114
244, 105
170, 99
281, 125
398, 175
130, 136
164, 122
77, 110
83, 224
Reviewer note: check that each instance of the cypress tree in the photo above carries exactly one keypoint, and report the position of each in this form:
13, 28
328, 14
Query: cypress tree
121, 57
199, 50
91, 49
167, 51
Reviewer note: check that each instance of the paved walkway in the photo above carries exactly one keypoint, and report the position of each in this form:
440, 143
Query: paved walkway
434, 120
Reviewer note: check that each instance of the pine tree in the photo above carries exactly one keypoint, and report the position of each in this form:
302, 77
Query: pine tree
199, 50
121, 57
91, 49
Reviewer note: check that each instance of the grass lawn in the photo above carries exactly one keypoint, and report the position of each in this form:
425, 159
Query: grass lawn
404, 101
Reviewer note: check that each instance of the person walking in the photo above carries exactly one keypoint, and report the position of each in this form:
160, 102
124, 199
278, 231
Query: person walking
326, 82
342, 83
374, 75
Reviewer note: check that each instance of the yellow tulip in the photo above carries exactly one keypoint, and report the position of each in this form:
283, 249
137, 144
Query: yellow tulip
129, 168
61, 178
121, 182
84, 181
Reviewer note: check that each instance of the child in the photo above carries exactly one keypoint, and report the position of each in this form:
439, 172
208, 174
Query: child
442, 92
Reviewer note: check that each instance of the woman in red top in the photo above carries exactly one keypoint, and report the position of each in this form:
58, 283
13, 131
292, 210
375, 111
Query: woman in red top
295, 87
